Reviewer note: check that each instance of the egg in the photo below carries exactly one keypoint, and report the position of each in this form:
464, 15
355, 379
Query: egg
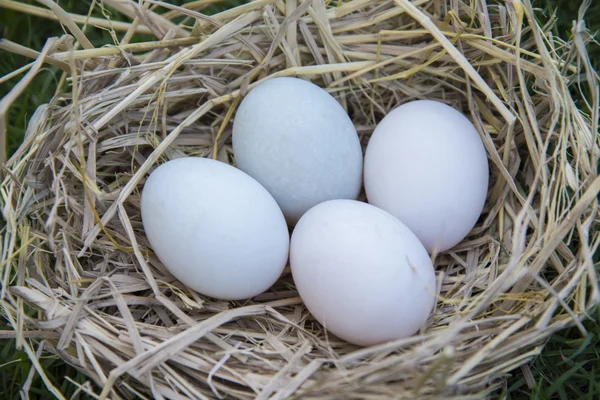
361, 272
426, 164
214, 228
297, 141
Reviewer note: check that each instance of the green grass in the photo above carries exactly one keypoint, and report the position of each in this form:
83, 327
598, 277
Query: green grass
568, 368
15, 369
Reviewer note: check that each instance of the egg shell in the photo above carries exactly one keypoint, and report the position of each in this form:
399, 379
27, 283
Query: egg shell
361, 272
426, 165
214, 228
299, 143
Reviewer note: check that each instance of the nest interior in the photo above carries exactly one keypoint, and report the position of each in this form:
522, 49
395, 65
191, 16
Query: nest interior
79, 278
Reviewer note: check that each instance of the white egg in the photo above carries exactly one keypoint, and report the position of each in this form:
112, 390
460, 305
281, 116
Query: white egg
299, 143
361, 272
214, 228
426, 165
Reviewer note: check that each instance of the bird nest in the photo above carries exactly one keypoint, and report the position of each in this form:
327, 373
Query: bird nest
80, 280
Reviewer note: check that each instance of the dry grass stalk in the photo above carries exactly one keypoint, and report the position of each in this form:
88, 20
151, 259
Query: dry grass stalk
73, 247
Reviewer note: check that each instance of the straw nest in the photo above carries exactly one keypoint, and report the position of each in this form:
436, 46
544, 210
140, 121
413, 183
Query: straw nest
80, 280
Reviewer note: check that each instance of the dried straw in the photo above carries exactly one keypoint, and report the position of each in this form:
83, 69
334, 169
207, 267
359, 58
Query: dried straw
78, 276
